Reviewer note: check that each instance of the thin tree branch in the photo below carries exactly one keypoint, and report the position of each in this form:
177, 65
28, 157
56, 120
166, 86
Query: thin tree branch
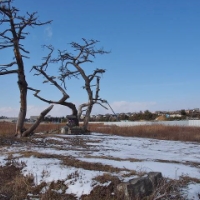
8, 65
8, 72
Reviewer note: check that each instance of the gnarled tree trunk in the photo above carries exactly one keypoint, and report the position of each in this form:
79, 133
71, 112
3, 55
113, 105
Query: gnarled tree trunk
22, 84
87, 116
23, 106
35, 125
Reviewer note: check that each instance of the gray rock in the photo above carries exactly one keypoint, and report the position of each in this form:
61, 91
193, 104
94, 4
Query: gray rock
75, 130
155, 178
140, 187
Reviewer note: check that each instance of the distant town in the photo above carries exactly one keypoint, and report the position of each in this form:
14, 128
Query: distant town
130, 116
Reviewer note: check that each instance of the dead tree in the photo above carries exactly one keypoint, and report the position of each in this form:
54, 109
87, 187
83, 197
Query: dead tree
42, 70
11, 37
71, 67
84, 55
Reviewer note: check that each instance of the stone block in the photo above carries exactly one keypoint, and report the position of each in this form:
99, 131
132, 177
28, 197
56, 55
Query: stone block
140, 187
155, 178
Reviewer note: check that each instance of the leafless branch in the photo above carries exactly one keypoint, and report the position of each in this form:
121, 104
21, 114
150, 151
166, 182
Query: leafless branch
71, 66
102, 105
15, 32
51, 79
62, 101
8, 65
97, 71
2, 72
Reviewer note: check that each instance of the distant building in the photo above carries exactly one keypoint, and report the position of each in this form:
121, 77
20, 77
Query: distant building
175, 115
194, 110
33, 118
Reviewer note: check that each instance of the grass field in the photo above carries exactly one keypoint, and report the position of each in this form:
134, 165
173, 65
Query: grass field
160, 132
63, 165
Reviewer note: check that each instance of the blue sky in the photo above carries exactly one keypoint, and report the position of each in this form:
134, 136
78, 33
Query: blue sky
153, 64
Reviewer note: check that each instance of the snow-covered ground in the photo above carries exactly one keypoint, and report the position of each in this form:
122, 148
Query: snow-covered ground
172, 158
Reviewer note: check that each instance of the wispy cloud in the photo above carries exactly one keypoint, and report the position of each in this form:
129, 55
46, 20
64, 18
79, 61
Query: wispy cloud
33, 110
126, 106
9, 111
48, 32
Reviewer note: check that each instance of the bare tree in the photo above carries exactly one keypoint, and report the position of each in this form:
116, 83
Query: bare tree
71, 66
42, 70
84, 55
11, 38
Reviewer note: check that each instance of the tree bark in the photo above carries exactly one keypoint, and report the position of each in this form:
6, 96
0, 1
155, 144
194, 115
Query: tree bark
38, 121
87, 117
74, 111
22, 84
23, 108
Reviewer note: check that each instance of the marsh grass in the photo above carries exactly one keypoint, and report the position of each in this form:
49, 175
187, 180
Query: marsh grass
177, 133
161, 132
13, 185
8, 128
69, 161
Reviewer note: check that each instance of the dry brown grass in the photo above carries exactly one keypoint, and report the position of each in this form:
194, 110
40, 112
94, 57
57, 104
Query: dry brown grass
52, 194
105, 192
70, 161
15, 186
161, 132
8, 128
106, 177
169, 189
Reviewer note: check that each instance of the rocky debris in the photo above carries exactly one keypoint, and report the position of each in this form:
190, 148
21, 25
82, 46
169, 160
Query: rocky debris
75, 130
72, 127
140, 187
